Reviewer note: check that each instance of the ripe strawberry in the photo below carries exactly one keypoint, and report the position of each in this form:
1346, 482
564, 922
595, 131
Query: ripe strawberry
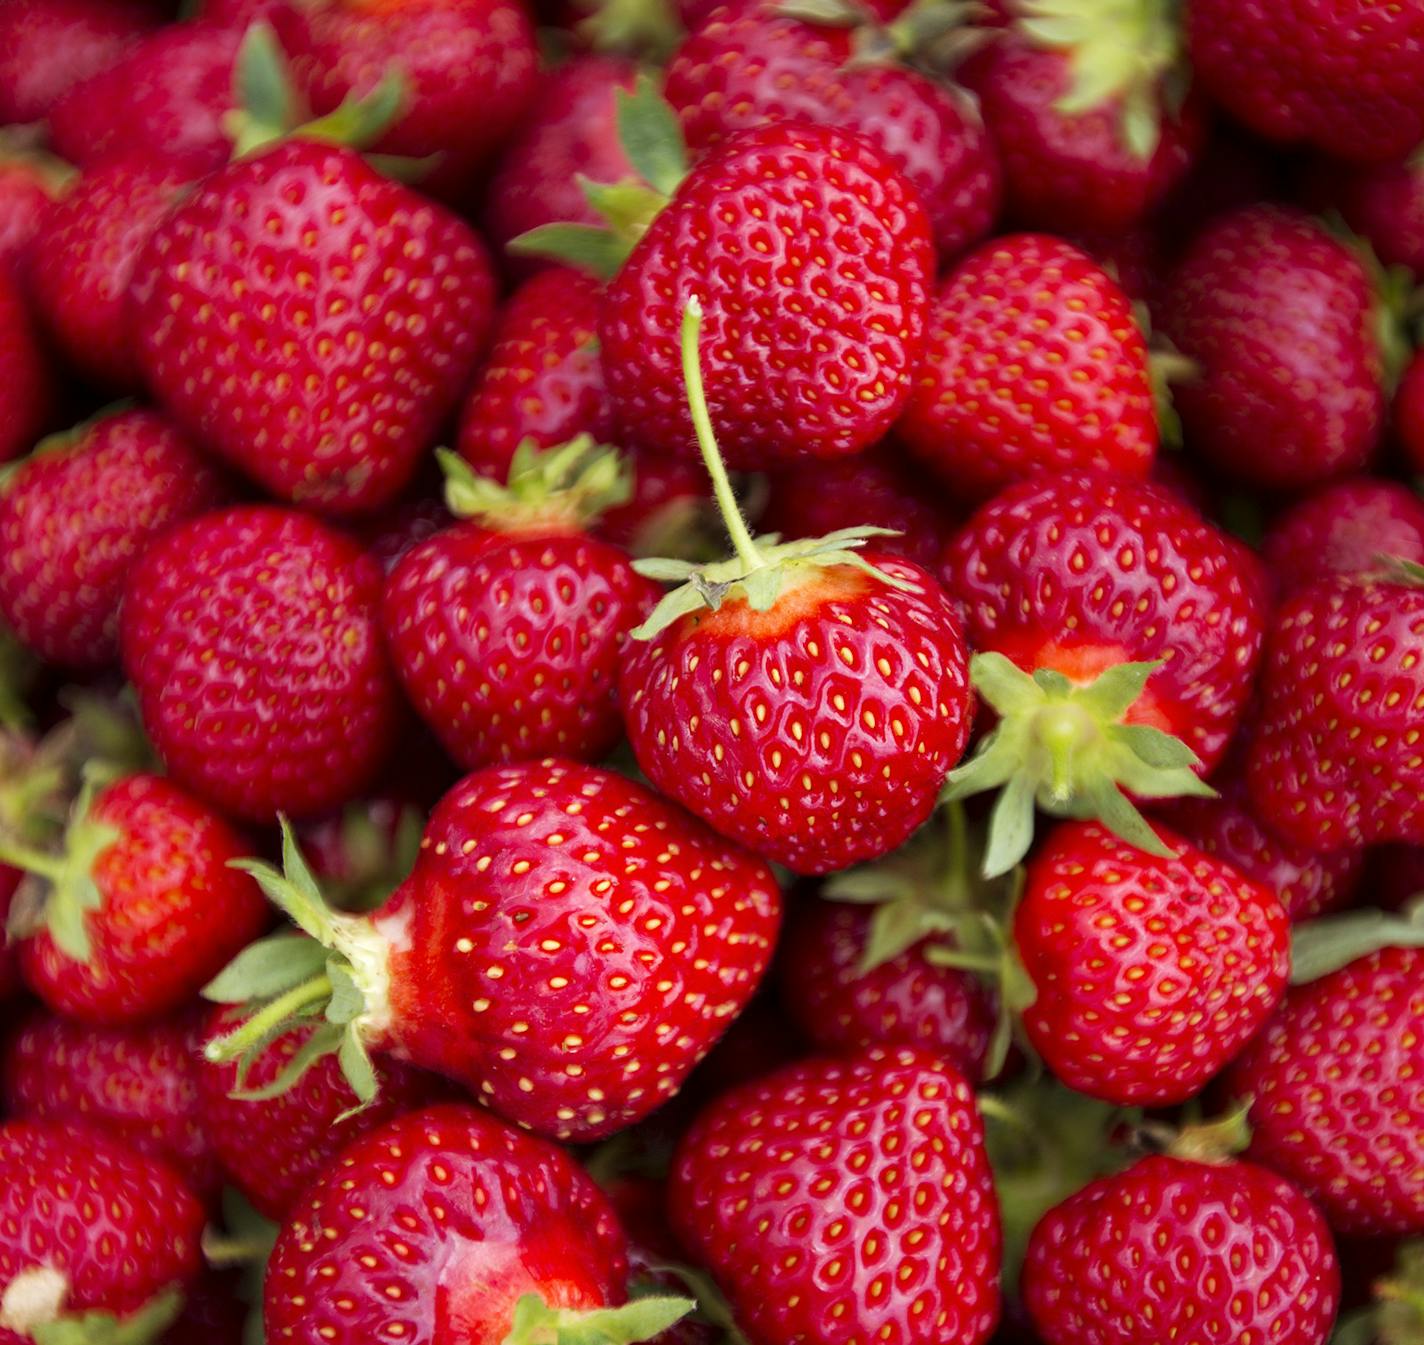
1334, 763
1384, 204
138, 1084
1341, 75
323, 379
1173, 1245
26, 393
30, 184
1408, 413
507, 631
1034, 364
90, 1232
567, 948
252, 637
453, 1226
361, 854
839, 1201
1151, 973
76, 517
666, 512
1282, 321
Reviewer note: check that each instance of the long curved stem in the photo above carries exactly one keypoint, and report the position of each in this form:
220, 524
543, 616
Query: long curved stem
232, 1045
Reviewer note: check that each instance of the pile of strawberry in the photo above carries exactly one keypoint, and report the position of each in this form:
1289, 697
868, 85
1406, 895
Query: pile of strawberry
748, 673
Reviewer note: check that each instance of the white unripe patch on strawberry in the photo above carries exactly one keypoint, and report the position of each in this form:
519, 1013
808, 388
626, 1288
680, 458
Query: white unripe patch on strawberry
34, 1297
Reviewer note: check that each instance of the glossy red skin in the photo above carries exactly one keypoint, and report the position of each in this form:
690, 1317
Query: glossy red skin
1034, 364
461, 1215
120, 1226
748, 65
1408, 413
543, 379
1072, 550
1152, 974
1335, 763
1064, 171
26, 388
1207, 1247
252, 636
138, 1085
906, 1001
1385, 204
1279, 317
509, 644
172, 912
332, 398
817, 733
26, 196
570, 945
1335, 1083
823, 372
1341, 75
274, 1148
845, 1200
74, 521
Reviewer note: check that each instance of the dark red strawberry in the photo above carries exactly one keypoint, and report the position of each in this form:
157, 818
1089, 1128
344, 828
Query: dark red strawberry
1409, 413
30, 183
841, 1201
26, 390
1034, 364
1384, 204
252, 636
312, 322
76, 517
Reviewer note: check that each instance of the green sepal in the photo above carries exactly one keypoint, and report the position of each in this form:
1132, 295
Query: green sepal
629, 206
651, 136
103, 1328
1408, 573
649, 28
568, 486
1319, 947
1399, 1298
266, 969
585, 247
536, 1323
1215, 1141
712, 1307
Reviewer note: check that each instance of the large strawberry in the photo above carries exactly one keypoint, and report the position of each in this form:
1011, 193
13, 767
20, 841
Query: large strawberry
26, 390
1034, 364
252, 636
841, 1201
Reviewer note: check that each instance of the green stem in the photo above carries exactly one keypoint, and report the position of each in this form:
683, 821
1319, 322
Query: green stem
737, 528
265, 1019
32, 861
957, 875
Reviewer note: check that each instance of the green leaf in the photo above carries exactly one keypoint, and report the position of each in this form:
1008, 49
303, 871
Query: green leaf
585, 247
995, 763
1010, 826
673, 607
1003, 685
1156, 748
265, 968
536, 1323
652, 136
763, 587
357, 1069
895, 927
1118, 814
665, 570
293, 891
628, 206
103, 1328
1319, 947
322, 1041
262, 81
1112, 693
347, 1000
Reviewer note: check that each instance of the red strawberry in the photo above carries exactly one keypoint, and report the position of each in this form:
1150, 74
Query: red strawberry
25, 386
76, 517
1335, 761
841, 1201
367, 850
1383, 203
30, 184
1173, 1245
666, 512
1151, 973
90, 1231
1034, 364
1408, 413
1282, 321
507, 631
1341, 75
451, 1225
139, 1085
323, 379
252, 636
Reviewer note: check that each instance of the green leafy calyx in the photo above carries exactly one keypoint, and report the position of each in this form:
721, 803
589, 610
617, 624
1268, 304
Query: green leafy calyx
536, 1323
1319, 947
33, 1306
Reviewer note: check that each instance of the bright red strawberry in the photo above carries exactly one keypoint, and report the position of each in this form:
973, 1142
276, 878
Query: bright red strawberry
1408, 413
1176, 1246
1341, 75
1151, 973
252, 636
1034, 364
139, 1085
26, 391
1335, 761
1282, 322
30, 184
312, 322
1382, 202
454, 1226
89, 1227
76, 517
841, 1201
507, 631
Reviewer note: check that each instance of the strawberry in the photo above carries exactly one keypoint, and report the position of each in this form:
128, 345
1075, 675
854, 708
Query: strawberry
1334, 763
333, 403
252, 637
507, 631
451, 1225
25, 387
90, 1232
1282, 322
367, 850
489, 964
141, 907
1140, 625
1408, 413
30, 184
1341, 75
1173, 1245
1384, 204
845, 1200
139, 1084
75, 518
1034, 364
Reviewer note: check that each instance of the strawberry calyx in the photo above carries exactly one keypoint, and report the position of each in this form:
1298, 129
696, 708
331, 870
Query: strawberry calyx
1066, 747
536, 1323
1217, 1140
33, 1306
711, 1308
1322, 946
1396, 1315
648, 28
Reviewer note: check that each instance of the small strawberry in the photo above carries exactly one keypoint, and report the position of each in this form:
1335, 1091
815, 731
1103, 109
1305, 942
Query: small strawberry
76, 517
252, 636
845, 1200
26, 390
30, 184
95, 1239
1384, 204
1034, 364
